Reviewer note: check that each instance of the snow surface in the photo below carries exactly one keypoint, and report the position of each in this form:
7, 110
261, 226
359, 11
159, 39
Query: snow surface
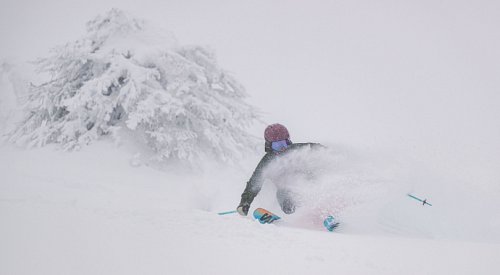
93, 212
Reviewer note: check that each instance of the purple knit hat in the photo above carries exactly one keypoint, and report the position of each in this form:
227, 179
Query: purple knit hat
276, 132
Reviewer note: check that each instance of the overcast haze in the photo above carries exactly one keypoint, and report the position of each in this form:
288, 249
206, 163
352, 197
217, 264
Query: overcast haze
417, 76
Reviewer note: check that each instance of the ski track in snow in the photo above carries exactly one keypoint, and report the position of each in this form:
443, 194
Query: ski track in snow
92, 213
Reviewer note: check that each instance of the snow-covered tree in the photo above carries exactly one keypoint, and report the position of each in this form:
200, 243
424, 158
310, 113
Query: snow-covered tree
126, 76
13, 89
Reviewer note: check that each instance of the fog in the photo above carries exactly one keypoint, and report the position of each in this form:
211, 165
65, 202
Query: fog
416, 80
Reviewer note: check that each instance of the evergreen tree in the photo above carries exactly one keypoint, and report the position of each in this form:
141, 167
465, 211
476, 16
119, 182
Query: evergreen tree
13, 90
127, 75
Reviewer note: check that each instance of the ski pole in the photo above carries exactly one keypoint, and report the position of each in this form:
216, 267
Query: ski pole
228, 212
424, 202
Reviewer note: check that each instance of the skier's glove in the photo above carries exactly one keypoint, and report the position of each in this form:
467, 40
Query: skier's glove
243, 209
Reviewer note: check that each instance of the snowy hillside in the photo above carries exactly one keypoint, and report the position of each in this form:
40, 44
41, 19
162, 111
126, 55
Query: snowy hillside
90, 212
403, 94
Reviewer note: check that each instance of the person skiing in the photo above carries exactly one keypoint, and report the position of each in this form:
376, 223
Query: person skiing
277, 144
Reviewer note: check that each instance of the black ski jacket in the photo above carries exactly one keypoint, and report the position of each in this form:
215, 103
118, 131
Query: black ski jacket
254, 185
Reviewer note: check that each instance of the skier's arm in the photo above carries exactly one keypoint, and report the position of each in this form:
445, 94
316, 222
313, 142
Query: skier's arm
310, 144
253, 186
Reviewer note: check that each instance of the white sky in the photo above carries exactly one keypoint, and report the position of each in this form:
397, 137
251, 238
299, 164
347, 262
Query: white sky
421, 76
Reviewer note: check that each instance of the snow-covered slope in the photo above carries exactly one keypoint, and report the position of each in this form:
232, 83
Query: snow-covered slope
92, 212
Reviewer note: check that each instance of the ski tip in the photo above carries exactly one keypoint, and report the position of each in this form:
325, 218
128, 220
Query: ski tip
265, 216
330, 223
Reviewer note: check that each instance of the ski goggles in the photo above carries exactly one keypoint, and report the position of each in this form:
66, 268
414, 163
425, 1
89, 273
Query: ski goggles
279, 146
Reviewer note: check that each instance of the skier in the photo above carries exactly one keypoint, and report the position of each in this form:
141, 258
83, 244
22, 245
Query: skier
277, 144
